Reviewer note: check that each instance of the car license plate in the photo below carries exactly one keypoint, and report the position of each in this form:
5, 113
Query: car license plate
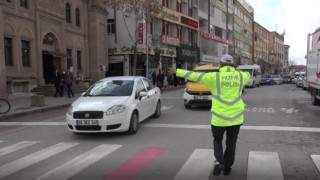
87, 122
201, 97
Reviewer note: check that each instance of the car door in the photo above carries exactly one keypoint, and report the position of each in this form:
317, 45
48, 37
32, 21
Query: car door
142, 103
152, 96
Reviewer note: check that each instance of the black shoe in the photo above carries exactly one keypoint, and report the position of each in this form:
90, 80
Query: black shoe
218, 169
227, 171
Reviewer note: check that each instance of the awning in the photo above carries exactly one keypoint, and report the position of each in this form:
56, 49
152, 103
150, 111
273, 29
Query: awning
56, 54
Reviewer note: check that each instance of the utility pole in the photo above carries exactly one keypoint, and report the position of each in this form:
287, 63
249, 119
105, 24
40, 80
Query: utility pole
147, 46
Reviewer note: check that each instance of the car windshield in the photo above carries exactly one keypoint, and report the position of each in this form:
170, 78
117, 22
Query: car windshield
111, 88
247, 70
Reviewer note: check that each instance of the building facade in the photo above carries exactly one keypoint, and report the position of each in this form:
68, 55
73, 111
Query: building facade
276, 49
42, 36
261, 48
243, 32
171, 37
286, 58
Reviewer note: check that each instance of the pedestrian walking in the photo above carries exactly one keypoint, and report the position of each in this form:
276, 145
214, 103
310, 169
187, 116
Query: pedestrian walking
63, 84
69, 82
154, 77
56, 80
227, 108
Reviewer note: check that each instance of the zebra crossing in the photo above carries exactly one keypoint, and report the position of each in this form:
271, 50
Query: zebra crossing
198, 165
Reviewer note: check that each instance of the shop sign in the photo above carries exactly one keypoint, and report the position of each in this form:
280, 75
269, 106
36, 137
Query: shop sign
206, 58
219, 5
188, 53
171, 41
140, 33
216, 38
189, 22
121, 50
168, 52
169, 15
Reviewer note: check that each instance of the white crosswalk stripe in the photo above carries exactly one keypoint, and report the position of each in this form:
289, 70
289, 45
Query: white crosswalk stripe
198, 166
264, 166
79, 163
31, 159
316, 160
16, 147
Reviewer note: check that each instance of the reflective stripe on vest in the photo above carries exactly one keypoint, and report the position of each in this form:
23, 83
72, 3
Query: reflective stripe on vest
218, 97
199, 78
227, 118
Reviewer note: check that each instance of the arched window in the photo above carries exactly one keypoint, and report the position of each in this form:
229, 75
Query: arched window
77, 17
68, 13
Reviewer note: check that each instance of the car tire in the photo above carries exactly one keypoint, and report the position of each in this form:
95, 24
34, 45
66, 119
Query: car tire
157, 113
187, 106
314, 100
134, 124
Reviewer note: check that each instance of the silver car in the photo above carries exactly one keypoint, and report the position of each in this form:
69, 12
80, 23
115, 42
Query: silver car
276, 79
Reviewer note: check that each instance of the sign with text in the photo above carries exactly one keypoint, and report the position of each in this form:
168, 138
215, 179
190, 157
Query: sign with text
188, 53
216, 38
170, 40
189, 22
140, 33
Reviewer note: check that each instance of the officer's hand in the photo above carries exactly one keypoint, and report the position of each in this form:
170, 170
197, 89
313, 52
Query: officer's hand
172, 70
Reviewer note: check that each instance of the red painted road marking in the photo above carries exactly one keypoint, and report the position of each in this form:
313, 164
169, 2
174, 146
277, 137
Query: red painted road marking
137, 164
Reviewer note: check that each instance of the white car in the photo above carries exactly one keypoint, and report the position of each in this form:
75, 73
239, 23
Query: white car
115, 104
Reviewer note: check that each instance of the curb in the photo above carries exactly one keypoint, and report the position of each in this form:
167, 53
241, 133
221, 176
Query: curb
60, 106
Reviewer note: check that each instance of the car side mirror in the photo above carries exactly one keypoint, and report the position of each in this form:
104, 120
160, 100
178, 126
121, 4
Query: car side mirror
82, 94
142, 94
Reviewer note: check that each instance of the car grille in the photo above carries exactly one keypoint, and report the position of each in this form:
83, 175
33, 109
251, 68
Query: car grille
88, 128
88, 115
199, 93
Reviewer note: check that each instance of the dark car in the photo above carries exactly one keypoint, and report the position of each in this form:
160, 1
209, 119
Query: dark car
287, 79
266, 80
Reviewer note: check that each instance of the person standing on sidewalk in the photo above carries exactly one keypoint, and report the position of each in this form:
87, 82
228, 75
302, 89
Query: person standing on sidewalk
69, 82
56, 80
227, 108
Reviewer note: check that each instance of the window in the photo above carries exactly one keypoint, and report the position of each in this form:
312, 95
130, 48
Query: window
68, 13
165, 28
165, 3
211, 11
77, 17
218, 31
69, 58
8, 51
148, 84
179, 6
111, 26
24, 3
25, 48
79, 66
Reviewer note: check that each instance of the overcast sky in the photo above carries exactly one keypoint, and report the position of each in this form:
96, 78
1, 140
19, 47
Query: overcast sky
297, 18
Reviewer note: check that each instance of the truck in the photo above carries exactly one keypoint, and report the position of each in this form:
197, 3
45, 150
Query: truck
313, 66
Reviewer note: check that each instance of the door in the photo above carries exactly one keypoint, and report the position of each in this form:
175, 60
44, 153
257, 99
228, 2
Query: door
47, 68
143, 103
115, 69
152, 96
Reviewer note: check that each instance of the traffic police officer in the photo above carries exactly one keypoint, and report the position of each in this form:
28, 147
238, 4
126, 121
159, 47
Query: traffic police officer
227, 107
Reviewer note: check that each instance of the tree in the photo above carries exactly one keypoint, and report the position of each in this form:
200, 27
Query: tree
136, 11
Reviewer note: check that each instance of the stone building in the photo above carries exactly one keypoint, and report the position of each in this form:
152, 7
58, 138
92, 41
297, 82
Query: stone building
43, 35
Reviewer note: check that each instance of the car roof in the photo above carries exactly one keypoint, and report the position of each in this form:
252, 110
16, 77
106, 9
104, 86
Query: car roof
207, 67
121, 78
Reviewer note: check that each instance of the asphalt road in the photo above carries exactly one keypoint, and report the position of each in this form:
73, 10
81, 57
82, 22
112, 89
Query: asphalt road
280, 139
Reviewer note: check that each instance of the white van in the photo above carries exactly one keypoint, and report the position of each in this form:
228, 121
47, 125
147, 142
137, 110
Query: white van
255, 72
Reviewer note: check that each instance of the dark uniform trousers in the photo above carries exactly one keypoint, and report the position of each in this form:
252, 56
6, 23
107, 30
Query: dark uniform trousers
226, 158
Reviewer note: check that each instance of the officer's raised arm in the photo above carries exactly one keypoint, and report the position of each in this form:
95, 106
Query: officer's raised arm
197, 77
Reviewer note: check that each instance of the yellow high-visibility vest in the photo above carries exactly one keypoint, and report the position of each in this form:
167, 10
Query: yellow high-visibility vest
226, 89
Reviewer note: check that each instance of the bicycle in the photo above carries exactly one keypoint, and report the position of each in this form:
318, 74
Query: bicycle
5, 106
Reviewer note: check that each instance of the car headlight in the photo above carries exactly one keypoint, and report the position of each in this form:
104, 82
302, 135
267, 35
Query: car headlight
116, 110
70, 111
187, 90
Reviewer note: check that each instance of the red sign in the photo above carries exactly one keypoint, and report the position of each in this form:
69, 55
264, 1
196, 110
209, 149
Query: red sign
217, 38
140, 33
189, 22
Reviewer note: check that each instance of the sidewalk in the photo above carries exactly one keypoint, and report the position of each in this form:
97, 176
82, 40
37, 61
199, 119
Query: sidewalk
21, 105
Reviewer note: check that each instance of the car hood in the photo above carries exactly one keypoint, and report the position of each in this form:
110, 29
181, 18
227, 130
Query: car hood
98, 103
194, 87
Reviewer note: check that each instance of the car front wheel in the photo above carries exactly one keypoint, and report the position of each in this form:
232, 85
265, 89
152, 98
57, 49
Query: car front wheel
134, 124
157, 113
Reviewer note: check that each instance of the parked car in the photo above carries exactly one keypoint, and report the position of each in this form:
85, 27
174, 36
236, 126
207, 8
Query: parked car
114, 104
300, 80
266, 80
287, 78
296, 76
276, 79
